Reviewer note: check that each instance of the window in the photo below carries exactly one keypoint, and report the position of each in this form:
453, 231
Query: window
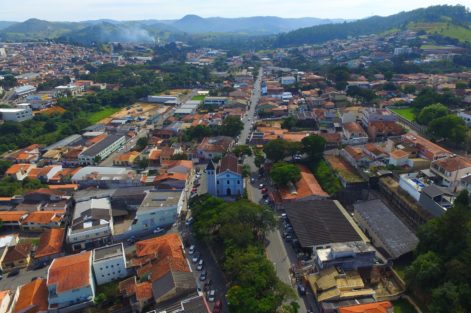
238, 182
228, 182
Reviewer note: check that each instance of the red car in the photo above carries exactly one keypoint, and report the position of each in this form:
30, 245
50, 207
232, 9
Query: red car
217, 306
264, 190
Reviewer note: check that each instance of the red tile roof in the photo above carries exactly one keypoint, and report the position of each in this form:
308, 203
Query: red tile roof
11, 216
50, 242
32, 297
70, 272
305, 187
377, 307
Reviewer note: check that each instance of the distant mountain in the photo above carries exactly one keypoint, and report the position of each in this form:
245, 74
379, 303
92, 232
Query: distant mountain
5, 24
38, 29
112, 30
443, 14
256, 25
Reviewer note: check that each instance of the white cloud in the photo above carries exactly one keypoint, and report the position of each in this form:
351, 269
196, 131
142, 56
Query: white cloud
169, 9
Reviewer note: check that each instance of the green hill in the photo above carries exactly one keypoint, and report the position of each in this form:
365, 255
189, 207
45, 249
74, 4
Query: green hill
458, 17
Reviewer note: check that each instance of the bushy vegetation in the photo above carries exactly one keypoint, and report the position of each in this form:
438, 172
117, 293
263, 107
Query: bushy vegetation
10, 187
326, 177
442, 267
238, 230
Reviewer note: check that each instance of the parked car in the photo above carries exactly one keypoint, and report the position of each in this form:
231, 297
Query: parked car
195, 258
14, 272
252, 180
261, 186
264, 190
217, 306
200, 265
301, 290
203, 275
212, 295
189, 221
192, 249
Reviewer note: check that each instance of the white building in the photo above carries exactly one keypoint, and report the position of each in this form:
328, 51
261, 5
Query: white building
25, 90
109, 263
217, 101
288, 80
102, 149
16, 114
226, 179
466, 116
92, 224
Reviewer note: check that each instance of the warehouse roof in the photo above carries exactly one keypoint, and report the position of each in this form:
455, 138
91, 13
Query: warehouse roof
319, 222
394, 234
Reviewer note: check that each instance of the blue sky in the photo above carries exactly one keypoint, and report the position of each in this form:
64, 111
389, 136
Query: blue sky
76, 10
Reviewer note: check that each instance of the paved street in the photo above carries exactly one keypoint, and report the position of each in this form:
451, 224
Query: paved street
25, 276
249, 117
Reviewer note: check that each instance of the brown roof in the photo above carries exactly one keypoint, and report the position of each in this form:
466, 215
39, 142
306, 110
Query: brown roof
376, 307
452, 164
398, 154
169, 244
305, 187
70, 272
50, 242
355, 152
11, 216
42, 217
32, 297
215, 144
353, 127
19, 252
229, 163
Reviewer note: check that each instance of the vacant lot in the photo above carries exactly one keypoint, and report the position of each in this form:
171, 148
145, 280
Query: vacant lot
95, 117
198, 98
406, 113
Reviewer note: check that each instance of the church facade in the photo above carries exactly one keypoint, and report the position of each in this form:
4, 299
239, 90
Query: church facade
225, 179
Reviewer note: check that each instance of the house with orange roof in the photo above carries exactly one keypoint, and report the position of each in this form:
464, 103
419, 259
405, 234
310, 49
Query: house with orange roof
375, 307
64, 175
19, 171
354, 134
40, 220
70, 282
355, 156
214, 147
398, 157
178, 166
44, 174
29, 154
162, 270
16, 256
5, 300
50, 245
126, 159
451, 170
31, 297
171, 181
154, 157
427, 149
307, 188
12, 219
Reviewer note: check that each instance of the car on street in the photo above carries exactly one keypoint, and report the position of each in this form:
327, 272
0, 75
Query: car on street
217, 306
203, 275
264, 190
252, 180
189, 221
200, 265
192, 249
195, 258
261, 186
14, 272
301, 290
212, 295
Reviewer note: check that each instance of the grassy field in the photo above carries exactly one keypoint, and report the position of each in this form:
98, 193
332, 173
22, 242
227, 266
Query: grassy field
406, 113
99, 115
198, 98
403, 306
461, 33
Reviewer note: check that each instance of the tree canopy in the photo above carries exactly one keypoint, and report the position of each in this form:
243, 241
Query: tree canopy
450, 127
314, 146
442, 267
282, 173
431, 112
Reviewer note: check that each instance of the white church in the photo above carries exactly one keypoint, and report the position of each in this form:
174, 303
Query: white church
225, 179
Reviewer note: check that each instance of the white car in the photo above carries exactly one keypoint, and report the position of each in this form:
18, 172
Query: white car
192, 249
159, 230
212, 295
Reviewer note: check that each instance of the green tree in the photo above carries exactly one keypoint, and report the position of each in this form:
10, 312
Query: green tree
289, 122
450, 127
4, 165
282, 173
425, 271
314, 146
179, 156
275, 150
431, 112
231, 126
141, 143
241, 150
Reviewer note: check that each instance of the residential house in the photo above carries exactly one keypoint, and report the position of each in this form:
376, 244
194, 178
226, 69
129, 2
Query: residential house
380, 130
225, 180
355, 156
171, 181
41, 220
451, 170
307, 188
398, 157
354, 134
436, 200
16, 257
51, 245
31, 297
70, 282
109, 263
126, 159
5, 300
369, 115
12, 219
19, 171
346, 255
213, 147
426, 148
